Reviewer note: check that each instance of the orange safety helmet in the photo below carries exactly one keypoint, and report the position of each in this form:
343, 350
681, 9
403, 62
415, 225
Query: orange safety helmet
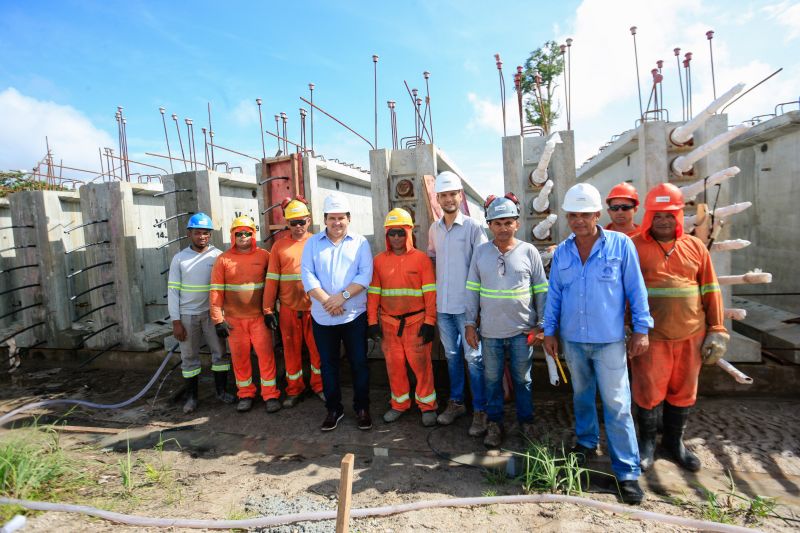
623, 190
663, 197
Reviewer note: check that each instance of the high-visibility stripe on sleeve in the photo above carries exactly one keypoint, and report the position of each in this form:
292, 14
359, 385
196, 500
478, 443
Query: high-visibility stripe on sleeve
273, 276
431, 287
291, 277
473, 286
542, 287
373, 290
710, 287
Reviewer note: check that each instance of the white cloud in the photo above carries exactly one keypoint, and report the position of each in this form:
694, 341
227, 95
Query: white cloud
786, 14
26, 122
245, 113
488, 114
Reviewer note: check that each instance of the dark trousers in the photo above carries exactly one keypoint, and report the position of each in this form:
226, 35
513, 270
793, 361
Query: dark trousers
329, 339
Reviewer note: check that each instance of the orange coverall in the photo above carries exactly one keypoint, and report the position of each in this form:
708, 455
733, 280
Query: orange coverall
686, 304
237, 287
283, 282
403, 294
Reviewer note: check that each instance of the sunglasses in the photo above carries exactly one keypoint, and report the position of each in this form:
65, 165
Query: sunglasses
501, 266
396, 233
300, 222
244, 234
623, 207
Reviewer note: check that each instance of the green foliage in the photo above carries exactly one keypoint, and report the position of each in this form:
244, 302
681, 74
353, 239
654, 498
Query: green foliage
12, 181
549, 63
548, 471
126, 469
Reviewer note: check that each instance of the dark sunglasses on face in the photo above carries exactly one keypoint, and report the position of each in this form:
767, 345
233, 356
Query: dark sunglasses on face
623, 207
396, 233
299, 222
244, 233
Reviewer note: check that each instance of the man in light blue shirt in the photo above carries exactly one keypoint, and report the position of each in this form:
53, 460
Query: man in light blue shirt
592, 275
336, 269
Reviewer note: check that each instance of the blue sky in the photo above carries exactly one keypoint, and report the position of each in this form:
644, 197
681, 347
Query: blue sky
65, 67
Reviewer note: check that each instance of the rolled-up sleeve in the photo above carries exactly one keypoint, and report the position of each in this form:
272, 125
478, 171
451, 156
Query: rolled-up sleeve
363, 265
307, 269
552, 309
635, 290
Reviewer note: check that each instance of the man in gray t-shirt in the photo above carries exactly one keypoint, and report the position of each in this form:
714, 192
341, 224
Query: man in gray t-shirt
506, 289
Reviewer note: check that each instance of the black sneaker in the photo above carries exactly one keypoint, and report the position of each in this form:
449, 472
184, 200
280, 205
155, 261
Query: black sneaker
332, 420
630, 492
364, 420
583, 454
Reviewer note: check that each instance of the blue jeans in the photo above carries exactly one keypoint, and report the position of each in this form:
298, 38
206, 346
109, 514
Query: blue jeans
451, 332
604, 368
494, 356
329, 340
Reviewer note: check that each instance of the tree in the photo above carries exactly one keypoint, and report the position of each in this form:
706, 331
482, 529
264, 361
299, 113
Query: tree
548, 62
12, 181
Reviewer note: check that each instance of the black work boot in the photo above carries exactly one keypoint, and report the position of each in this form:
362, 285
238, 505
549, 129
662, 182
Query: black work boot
648, 427
191, 395
221, 384
675, 419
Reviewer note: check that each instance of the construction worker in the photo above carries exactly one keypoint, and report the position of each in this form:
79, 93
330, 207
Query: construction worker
686, 304
593, 275
336, 269
402, 295
187, 299
623, 202
506, 288
237, 292
451, 242
284, 283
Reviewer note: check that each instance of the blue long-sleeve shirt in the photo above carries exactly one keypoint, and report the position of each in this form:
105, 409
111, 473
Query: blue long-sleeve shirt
332, 267
586, 302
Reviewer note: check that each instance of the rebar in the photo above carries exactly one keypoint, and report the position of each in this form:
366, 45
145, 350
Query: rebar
67, 252
427, 75
518, 87
303, 114
4, 339
18, 247
101, 352
638, 83
205, 146
211, 135
375, 92
173, 191
351, 130
284, 119
677, 52
84, 315
178, 129
278, 134
189, 143
170, 242
311, 95
87, 291
84, 269
162, 222
166, 137
750, 89
270, 208
502, 90
272, 178
710, 37
20, 309
90, 223
569, 83
235, 152
414, 105
687, 65
15, 289
261, 128
87, 337
18, 267
16, 226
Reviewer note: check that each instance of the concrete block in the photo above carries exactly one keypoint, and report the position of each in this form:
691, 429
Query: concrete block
777, 330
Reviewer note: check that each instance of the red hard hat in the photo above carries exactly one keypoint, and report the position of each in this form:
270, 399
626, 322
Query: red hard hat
664, 197
623, 190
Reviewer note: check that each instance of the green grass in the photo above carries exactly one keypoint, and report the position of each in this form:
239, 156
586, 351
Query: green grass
126, 469
546, 470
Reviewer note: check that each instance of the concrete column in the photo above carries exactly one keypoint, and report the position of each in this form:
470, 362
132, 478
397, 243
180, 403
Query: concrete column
425, 158
379, 165
652, 162
202, 196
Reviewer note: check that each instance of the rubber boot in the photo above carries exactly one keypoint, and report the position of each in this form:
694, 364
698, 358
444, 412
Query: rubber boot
675, 419
221, 383
648, 427
191, 395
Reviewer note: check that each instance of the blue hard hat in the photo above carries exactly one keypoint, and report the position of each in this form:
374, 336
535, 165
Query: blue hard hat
200, 221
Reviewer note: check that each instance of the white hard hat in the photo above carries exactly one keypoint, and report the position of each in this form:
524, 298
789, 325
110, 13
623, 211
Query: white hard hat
447, 181
336, 203
582, 198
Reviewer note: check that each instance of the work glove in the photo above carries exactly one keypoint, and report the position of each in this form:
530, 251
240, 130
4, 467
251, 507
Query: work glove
271, 321
222, 330
427, 331
714, 346
374, 332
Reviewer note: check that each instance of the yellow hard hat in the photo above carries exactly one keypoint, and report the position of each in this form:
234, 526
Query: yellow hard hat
243, 221
295, 209
398, 217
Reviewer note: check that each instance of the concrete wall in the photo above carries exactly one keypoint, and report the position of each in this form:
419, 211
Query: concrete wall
769, 158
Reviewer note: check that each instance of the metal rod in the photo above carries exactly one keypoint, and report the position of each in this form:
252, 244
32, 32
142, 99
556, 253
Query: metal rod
67, 252
235, 152
414, 104
84, 269
20, 309
278, 135
284, 118
351, 130
211, 135
84, 315
205, 146
427, 75
750, 89
162, 156
569, 83
189, 141
687, 60
86, 338
270, 208
171, 192
70, 230
170, 242
677, 52
261, 126
161, 223
15, 289
100, 153
311, 93
18, 226
375, 80
166, 138
18, 247
178, 129
87, 291
272, 178
499, 64
21, 331
638, 83
95, 356
18, 267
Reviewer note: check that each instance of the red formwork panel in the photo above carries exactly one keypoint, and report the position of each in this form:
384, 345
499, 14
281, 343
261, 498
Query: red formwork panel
275, 191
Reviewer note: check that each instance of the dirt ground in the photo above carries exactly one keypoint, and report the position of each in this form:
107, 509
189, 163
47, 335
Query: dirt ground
218, 464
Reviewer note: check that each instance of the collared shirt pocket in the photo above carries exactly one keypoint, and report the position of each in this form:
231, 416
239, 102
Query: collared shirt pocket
567, 271
609, 270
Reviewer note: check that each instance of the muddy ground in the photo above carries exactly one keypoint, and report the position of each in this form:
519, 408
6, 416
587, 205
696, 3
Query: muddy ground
218, 464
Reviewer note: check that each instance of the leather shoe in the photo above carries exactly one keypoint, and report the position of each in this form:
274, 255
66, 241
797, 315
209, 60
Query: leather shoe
332, 420
364, 420
630, 492
583, 454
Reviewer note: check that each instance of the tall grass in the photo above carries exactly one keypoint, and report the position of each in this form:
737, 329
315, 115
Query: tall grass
545, 470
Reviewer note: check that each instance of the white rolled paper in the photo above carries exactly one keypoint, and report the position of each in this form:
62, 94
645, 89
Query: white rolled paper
682, 134
690, 191
751, 278
737, 374
683, 163
719, 213
733, 244
542, 200
539, 174
735, 314
542, 230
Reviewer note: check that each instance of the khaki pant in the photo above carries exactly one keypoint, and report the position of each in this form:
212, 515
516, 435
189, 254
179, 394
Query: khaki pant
200, 331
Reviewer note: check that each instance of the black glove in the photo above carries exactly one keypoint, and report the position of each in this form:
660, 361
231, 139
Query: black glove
427, 331
222, 330
374, 332
271, 321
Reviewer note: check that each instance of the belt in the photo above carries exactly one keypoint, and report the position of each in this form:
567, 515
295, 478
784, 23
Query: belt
402, 319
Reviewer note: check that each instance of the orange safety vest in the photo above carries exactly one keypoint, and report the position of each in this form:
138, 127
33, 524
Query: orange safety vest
237, 283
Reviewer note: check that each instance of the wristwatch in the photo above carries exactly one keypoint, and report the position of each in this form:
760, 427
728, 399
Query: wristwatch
346, 294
